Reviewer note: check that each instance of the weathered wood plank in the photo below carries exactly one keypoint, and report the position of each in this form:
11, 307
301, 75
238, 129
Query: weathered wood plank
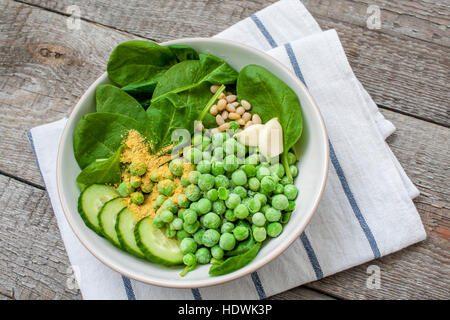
33, 261
404, 65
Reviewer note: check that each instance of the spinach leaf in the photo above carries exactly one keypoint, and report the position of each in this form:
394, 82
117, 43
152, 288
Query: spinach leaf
112, 99
99, 135
101, 171
192, 73
183, 52
137, 65
272, 98
236, 262
167, 114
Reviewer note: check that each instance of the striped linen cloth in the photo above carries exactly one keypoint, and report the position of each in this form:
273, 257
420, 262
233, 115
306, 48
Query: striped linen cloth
366, 211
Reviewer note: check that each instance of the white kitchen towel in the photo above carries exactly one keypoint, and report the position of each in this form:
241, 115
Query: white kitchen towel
366, 210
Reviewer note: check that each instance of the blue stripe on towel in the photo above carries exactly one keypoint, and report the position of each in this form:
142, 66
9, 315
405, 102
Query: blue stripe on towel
311, 255
263, 30
196, 294
354, 205
128, 288
258, 285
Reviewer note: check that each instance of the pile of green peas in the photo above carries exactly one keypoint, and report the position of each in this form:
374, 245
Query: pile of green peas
135, 187
231, 195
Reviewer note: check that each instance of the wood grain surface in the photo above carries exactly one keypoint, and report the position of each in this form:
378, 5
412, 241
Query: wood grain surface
45, 68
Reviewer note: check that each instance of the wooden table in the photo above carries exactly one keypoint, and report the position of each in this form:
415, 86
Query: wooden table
45, 67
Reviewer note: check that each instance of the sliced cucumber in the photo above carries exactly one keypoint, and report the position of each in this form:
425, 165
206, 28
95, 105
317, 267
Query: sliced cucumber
107, 219
155, 245
90, 202
125, 232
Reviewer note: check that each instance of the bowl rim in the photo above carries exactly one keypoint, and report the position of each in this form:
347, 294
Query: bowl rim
212, 280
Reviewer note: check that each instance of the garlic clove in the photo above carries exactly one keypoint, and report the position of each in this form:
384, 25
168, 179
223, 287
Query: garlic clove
271, 139
250, 135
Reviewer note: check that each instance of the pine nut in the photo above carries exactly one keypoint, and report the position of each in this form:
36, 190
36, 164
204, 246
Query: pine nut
241, 122
219, 120
240, 110
235, 104
214, 110
224, 127
228, 93
248, 124
234, 116
230, 108
222, 96
225, 115
256, 119
231, 98
247, 116
247, 106
214, 88
221, 104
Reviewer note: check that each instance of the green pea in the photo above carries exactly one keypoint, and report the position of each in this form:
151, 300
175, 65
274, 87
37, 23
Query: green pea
176, 224
125, 189
193, 176
229, 215
240, 191
274, 229
191, 228
154, 177
212, 194
137, 197
264, 208
230, 163
261, 197
211, 220
293, 170
198, 236
241, 233
203, 256
138, 169
227, 241
280, 202
189, 259
221, 181
176, 167
206, 155
217, 252
192, 155
204, 206
232, 201
204, 166
254, 184
217, 168
210, 238
147, 187
193, 206
190, 216
291, 158
135, 181
170, 205
252, 159
291, 206
258, 219
166, 216
218, 139
279, 189
170, 233
227, 227
230, 146
183, 201
272, 214
290, 191
254, 205
192, 192
218, 153
240, 150
239, 177
206, 182
160, 200
157, 222
278, 169
241, 211
286, 217
219, 207
166, 187
249, 169
234, 125
261, 172
267, 184
259, 234
181, 234
188, 245
223, 193
286, 180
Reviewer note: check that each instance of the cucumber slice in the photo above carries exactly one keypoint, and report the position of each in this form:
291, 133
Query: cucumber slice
155, 245
125, 232
90, 202
107, 219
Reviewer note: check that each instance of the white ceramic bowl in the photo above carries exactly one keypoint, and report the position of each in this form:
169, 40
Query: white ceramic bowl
313, 169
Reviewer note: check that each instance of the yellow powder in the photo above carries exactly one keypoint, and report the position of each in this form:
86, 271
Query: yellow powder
137, 150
